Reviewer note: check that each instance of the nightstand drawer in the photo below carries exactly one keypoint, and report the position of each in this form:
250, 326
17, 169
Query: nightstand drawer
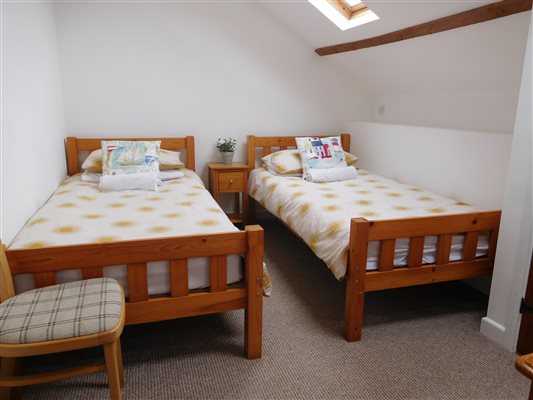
230, 181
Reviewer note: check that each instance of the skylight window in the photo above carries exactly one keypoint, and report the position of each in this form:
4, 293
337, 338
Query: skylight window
345, 14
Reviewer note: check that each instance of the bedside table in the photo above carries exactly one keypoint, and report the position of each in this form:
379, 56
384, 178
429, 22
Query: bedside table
231, 178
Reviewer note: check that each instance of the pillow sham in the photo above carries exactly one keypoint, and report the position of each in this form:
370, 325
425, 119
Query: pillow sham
321, 152
284, 162
350, 158
93, 163
170, 160
93, 177
167, 160
121, 157
289, 162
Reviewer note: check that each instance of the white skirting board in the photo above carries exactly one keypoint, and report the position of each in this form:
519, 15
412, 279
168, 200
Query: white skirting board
492, 330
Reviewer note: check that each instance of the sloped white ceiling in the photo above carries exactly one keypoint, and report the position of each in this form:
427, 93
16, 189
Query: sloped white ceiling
318, 31
481, 57
466, 78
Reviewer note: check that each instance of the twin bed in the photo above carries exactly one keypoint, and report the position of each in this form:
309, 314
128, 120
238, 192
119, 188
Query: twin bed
177, 254
374, 232
174, 251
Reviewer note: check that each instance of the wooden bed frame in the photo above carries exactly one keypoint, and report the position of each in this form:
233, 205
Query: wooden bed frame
181, 302
360, 281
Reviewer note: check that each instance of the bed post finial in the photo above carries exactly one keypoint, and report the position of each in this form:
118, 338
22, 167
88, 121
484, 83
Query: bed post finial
72, 156
189, 147
251, 151
345, 139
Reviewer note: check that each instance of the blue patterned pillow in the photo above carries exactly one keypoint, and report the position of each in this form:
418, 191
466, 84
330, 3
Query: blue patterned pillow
121, 157
321, 153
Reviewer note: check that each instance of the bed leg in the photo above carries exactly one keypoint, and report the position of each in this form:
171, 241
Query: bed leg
253, 315
251, 210
353, 311
355, 276
10, 367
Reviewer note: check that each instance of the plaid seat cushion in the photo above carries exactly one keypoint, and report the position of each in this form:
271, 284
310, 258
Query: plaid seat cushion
61, 311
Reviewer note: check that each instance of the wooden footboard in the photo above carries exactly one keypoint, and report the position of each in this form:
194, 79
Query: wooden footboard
359, 280
180, 302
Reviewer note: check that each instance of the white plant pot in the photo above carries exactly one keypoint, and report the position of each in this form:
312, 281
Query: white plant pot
227, 157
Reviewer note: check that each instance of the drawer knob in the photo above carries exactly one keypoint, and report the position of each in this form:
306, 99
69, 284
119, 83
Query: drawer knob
231, 181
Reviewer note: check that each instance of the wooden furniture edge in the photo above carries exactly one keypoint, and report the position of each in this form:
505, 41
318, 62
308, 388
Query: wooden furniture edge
155, 308
524, 364
362, 231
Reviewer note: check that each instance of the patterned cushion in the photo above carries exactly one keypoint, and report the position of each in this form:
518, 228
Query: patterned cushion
321, 152
120, 157
167, 160
61, 311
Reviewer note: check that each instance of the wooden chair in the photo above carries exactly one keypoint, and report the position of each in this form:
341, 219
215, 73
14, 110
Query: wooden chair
525, 365
59, 318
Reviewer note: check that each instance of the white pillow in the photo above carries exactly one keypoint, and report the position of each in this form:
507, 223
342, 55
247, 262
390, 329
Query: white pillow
140, 181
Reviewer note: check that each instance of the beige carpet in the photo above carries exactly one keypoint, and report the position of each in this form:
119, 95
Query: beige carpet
418, 343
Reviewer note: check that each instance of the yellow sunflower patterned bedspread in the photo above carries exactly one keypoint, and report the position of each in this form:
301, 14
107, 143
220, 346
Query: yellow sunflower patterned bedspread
320, 213
78, 212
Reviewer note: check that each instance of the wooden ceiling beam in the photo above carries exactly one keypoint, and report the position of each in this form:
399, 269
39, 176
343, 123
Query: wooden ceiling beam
465, 18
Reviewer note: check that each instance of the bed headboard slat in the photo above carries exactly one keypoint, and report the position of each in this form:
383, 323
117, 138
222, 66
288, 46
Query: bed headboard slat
75, 145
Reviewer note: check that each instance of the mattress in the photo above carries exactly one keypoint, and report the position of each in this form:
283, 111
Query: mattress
320, 213
79, 213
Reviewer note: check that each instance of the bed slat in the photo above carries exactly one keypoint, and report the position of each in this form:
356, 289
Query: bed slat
90, 273
267, 150
283, 147
386, 255
179, 278
137, 282
43, 279
218, 273
470, 246
416, 251
443, 249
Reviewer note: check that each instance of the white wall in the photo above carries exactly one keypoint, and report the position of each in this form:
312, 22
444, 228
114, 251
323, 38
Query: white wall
208, 69
486, 111
464, 165
33, 130
464, 79
515, 240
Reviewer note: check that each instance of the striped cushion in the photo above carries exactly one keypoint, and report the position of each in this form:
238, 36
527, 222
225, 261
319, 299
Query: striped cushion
61, 311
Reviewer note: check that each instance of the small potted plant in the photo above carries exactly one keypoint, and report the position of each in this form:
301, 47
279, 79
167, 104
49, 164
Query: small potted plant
226, 146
